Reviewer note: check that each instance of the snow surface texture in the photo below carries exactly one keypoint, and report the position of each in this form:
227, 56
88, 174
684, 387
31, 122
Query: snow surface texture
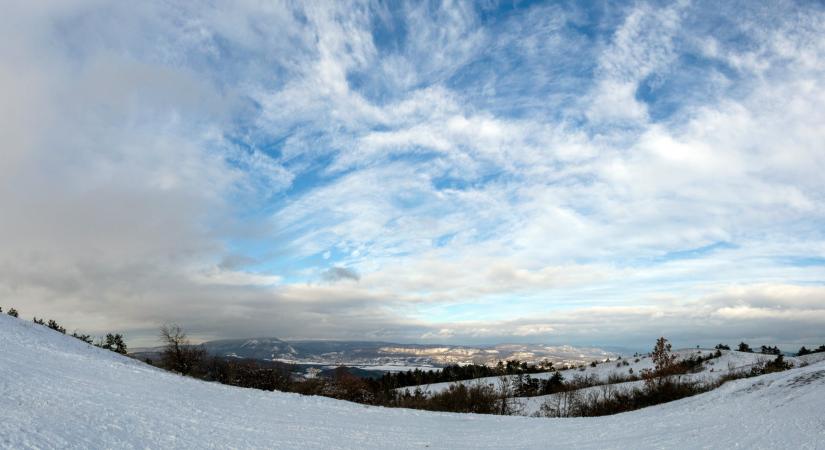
57, 392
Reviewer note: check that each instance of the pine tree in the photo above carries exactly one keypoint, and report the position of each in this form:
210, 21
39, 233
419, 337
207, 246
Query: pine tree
54, 326
554, 384
83, 337
662, 356
766, 350
664, 362
114, 342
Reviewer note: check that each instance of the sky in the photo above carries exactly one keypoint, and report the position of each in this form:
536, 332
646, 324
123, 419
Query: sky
458, 172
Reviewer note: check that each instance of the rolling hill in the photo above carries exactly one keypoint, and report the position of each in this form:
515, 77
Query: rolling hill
57, 392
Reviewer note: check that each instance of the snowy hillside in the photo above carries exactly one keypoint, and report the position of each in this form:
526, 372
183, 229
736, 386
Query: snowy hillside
713, 369
57, 392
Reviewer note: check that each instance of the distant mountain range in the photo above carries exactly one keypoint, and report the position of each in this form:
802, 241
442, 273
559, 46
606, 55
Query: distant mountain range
392, 356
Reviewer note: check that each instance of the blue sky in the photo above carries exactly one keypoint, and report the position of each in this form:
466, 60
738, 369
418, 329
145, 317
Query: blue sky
560, 172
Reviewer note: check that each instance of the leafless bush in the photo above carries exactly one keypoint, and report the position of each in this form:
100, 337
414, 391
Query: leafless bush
609, 400
179, 354
563, 404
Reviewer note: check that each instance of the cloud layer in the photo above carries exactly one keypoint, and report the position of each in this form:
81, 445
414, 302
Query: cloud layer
452, 172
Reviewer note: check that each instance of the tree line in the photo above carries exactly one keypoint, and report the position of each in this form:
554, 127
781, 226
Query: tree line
112, 341
804, 351
456, 372
768, 350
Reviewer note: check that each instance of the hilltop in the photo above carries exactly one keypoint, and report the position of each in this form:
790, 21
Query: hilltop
60, 392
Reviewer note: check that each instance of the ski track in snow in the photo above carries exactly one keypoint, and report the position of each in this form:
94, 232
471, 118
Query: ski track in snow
57, 392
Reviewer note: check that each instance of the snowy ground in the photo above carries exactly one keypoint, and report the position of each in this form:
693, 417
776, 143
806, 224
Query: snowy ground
711, 371
730, 360
56, 392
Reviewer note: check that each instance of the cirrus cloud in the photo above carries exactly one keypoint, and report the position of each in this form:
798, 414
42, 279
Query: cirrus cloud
565, 172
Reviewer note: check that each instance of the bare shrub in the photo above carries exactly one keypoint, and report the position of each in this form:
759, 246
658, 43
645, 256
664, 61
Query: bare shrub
609, 400
563, 404
179, 354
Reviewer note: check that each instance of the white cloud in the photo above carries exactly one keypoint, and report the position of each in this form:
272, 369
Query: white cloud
504, 168
640, 47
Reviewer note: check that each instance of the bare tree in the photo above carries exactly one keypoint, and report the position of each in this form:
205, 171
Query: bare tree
179, 354
567, 403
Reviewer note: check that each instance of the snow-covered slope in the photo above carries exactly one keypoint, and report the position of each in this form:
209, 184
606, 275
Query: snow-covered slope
56, 392
713, 369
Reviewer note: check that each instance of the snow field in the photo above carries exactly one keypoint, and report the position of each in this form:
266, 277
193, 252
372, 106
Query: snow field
57, 392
